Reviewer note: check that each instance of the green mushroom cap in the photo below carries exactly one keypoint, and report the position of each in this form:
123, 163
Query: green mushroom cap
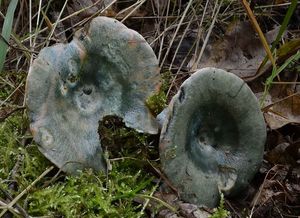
213, 137
107, 69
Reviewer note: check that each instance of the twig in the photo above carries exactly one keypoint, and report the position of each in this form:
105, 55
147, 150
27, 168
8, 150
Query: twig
232, 208
256, 198
165, 179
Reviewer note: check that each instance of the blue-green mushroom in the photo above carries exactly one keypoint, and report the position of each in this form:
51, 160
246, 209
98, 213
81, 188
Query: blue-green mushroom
213, 137
107, 69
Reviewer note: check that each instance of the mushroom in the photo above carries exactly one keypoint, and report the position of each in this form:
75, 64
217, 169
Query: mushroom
107, 69
213, 137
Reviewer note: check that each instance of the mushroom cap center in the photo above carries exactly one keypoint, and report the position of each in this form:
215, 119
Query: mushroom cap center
213, 137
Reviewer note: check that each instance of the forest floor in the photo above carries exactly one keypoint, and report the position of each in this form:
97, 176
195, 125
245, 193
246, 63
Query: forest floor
185, 35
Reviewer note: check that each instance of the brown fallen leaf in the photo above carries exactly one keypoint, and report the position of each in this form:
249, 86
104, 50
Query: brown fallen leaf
239, 51
283, 112
284, 153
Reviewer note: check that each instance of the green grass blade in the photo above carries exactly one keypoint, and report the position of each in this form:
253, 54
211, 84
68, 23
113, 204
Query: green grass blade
282, 29
285, 23
6, 30
275, 73
291, 59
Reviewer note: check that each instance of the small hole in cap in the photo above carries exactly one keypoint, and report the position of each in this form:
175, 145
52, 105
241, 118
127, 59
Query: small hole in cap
87, 91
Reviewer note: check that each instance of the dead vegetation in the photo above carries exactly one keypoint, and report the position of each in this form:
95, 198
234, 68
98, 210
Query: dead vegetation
185, 35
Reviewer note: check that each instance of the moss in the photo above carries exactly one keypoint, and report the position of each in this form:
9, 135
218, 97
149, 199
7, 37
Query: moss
166, 80
10, 136
221, 212
91, 195
85, 195
156, 103
18, 154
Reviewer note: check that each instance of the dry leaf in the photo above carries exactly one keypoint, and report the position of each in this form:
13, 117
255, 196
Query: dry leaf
77, 5
284, 112
239, 51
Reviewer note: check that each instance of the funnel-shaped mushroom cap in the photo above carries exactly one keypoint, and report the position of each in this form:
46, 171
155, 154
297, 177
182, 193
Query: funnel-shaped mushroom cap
213, 137
107, 69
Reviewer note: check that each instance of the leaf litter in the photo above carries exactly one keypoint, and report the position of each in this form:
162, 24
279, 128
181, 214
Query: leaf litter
238, 51
283, 111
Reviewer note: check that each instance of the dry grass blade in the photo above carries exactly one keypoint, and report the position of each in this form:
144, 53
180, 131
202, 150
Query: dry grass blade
40, 11
282, 29
180, 42
55, 24
165, 204
200, 29
30, 24
14, 211
11, 204
147, 201
163, 33
176, 32
11, 94
102, 11
135, 6
196, 43
259, 31
208, 35
6, 31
